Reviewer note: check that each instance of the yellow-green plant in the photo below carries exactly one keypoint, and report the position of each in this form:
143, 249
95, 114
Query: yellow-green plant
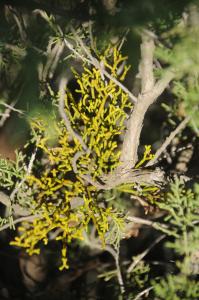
65, 192
64, 198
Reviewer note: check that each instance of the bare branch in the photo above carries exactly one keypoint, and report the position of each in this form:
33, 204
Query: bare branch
144, 253
162, 84
139, 220
156, 225
168, 140
119, 177
94, 243
56, 60
72, 49
75, 159
6, 114
146, 66
96, 184
145, 99
124, 176
146, 222
149, 94
139, 296
132, 136
11, 107
115, 255
53, 56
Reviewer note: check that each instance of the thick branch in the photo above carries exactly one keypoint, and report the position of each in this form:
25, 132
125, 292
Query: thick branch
149, 94
146, 65
132, 135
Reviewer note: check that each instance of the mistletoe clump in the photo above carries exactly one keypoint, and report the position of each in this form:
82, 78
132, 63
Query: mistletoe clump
65, 194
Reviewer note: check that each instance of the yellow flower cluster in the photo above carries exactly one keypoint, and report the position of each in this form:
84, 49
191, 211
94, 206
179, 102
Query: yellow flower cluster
64, 201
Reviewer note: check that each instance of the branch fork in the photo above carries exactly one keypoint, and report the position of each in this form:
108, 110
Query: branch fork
149, 93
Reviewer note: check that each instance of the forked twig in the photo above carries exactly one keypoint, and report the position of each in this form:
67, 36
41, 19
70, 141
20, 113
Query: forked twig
168, 140
144, 253
94, 243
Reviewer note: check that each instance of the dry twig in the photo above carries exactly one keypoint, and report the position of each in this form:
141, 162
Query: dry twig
153, 224
168, 140
94, 243
143, 293
144, 253
53, 55
6, 114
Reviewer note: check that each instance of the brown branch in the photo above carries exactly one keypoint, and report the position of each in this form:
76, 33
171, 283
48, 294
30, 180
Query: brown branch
124, 176
149, 94
146, 65
119, 177
131, 141
75, 159
162, 84
168, 140
145, 222
140, 220
156, 225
